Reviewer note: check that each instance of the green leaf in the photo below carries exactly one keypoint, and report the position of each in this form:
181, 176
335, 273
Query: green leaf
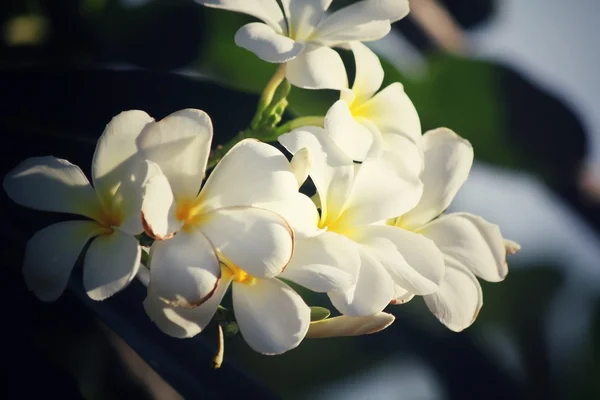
319, 313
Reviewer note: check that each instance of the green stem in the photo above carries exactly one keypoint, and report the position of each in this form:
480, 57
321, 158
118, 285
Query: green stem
267, 94
294, 124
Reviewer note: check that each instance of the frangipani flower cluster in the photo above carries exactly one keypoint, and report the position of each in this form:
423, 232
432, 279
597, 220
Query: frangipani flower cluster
374, 234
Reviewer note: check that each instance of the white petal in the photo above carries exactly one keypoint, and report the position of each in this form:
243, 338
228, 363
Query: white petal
128, 199
267, 44
363, 21
339, 34
180, 145
258, 241
458, 300
317, 67
299, 212
300, 165
52, 184
349, 21
111, 262
51, 254
369, 72
267, 11
303, 16
251, 172
379, 192
448, 160
471, 241
349, 326
326, 263
272, 317
158, 212
405, 155
331, 171
413, 261
392, 112
117, 153
350, 136
184, 271
401, 296
184, 322
373, 291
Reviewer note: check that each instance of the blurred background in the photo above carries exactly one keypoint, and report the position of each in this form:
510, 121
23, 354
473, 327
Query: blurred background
519, 79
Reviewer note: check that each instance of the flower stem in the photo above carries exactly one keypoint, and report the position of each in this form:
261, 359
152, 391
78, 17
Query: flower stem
267, 94
296, 123
217, 360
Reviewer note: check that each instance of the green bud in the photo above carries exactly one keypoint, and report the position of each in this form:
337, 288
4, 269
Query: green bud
230, 328
319, 313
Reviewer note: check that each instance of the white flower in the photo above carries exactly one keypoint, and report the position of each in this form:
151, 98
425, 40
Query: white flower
390, 111
113, 206
302, 34
353, 198
349, 326
471, 246
214, 237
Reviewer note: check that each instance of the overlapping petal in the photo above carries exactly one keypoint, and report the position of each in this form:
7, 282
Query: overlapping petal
332, 170
52, 184
299, 212
258, 241
373, 290
266, 43
472, 242
392, 112
159, 208
180, 145
303, 16
379, 192
459, 298
448, 160
317, 67
251, 172
326, 263
369, 72
184, 271
185, 322
272, 317
111, 262
350, 136
265, 10
51, 254
117, 153
412, 260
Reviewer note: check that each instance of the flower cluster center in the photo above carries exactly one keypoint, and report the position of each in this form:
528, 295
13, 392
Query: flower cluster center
239, 275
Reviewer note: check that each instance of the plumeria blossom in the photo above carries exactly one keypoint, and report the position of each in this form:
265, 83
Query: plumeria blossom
112, 207
302, 34
390, 111
352, 199
213, 238
472, 247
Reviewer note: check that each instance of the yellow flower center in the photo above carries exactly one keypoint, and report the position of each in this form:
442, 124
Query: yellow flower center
190, 212
239, 275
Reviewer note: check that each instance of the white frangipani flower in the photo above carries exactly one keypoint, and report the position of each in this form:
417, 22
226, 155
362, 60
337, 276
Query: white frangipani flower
390, 111
353, 198
302, 34
113, 207
208, 239
471, 246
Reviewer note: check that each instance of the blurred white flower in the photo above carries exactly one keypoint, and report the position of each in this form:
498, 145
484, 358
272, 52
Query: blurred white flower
113, 205
353, 199
471, 246
302, 34
389, 110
